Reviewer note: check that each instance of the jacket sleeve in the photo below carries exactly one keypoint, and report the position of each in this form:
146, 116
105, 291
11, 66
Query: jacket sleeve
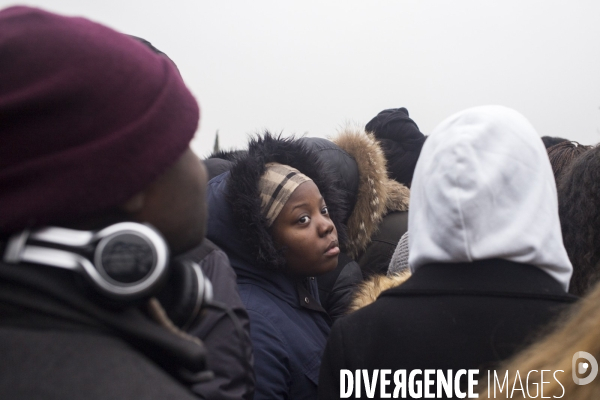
271, 361
376, 257
230, 364
332, 362
343, 290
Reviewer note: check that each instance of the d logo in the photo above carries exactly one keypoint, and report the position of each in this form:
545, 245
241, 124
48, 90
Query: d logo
582, 367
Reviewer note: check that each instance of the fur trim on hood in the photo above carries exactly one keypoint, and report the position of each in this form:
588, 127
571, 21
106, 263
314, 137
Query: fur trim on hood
369, 290
244, 199
229, 155
377, 195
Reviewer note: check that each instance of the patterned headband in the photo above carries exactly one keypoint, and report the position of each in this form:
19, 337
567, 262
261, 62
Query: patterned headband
276, 186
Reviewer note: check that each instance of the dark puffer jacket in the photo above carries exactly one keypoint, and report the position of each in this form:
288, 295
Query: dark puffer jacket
288, 327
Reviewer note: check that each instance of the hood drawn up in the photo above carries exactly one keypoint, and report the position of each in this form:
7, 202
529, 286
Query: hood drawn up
236, 223
377, 194
483, 188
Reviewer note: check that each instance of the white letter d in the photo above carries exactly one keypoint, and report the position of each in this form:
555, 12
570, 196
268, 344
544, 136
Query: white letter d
346, 390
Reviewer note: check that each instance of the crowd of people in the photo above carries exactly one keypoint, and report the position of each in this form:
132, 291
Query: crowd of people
287, 268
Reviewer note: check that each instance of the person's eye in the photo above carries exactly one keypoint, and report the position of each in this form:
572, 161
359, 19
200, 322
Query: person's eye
304, 219
325, 210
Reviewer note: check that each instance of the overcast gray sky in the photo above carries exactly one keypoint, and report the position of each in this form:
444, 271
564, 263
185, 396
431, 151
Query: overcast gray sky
312, 66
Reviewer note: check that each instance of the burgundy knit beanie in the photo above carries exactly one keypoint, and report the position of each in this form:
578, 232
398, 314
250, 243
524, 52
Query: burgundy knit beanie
88, 117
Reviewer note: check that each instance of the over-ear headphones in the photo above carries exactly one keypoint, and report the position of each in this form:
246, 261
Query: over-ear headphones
124, 262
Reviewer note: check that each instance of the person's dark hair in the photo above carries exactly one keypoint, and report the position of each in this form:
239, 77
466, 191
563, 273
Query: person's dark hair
563, 154
550, 141
579, 210
401, 141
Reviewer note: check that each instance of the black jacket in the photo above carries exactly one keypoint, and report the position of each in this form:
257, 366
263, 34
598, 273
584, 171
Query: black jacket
376, 258
232, 368
336, 288
446, 316
57, 342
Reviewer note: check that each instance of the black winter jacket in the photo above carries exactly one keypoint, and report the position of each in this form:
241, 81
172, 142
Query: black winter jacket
458, 316
58, 343
232, 368
376, 258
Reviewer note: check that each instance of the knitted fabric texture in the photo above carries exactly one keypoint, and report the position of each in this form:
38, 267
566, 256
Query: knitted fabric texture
276, 186
399, 261
89, 118
401, 141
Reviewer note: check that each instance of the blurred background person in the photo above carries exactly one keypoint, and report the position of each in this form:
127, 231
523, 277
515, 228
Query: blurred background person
563, 154
579, 202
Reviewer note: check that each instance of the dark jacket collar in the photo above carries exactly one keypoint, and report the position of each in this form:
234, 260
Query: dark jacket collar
494, 277
37, 297
297, 292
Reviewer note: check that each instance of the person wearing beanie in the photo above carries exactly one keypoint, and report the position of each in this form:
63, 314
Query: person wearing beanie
277, 214
489, 269
550, 141
95, 131
401, 141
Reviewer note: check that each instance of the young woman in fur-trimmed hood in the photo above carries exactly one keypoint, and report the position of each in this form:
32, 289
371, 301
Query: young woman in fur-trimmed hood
277, 214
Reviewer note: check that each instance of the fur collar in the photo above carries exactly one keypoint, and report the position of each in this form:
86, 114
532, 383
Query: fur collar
369, 290
377, 195
229, 155
244, 200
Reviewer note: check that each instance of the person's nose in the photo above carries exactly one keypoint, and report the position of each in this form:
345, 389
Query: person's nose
325, 226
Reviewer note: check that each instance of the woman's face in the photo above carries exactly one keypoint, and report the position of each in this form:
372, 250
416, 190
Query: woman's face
303, 228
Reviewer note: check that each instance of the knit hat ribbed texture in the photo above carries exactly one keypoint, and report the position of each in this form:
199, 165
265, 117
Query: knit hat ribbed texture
401, 141
89, 117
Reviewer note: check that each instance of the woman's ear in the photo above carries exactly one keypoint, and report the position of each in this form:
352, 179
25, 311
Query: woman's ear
135, 203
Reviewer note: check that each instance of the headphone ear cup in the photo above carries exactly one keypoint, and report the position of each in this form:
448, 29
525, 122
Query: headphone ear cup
125, 262
186, 293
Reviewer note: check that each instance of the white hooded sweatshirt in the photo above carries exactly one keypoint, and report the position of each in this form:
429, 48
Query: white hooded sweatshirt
483, 188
